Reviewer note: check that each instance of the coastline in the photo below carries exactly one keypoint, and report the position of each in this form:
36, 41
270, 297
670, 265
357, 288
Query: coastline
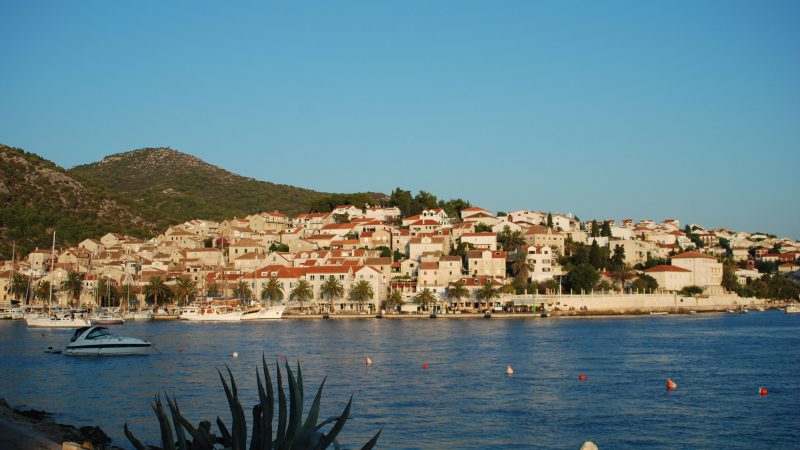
32, 429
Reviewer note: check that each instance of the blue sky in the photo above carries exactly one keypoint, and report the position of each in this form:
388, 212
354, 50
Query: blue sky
613, 109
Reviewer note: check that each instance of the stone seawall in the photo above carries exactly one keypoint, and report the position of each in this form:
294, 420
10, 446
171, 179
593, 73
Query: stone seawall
629, 303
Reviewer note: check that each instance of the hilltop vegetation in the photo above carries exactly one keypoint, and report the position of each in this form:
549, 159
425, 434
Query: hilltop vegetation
37, 197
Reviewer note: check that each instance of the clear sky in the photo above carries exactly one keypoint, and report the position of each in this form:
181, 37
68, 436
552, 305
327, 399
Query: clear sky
613, 109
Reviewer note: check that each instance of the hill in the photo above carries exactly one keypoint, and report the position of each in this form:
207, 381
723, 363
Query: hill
168, 187
37, 197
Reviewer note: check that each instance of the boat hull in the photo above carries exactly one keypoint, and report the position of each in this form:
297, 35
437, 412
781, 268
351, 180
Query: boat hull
792, 309
212, 317
271, 313
121, 349
50, 322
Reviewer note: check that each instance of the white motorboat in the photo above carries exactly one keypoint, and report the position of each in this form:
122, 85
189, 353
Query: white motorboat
98, 341
210, 314
54, 321
659, 313
265, 313
106, 318
145, 314
792, 309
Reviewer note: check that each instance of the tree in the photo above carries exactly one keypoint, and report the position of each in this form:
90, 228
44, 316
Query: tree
481, 227
456, 291
426, 298
595, 229
386, 252
622, 274
361, 292
595, 256
331, 289
276, 247
302, 292
242, 290
729, 280
155, 289
212, 290
645, 283
582, 278
549, 220
185, 290
403, 200
521, 266
487, 293
606, 229
105, 292
73, 285
618, 258
510, 240
19, 285
691, 290
272, 291
395, 299
42, 290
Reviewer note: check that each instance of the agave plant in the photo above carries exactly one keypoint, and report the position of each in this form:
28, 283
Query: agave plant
290, 431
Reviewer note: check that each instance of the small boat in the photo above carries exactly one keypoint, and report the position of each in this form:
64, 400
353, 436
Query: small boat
210, 314
145, 314
98, 341
692, 312
659, 313
730, 311
55, 321
106, 318
760, 309
266, 313
792, 309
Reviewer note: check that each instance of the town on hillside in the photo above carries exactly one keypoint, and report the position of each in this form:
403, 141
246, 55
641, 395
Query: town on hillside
370, 259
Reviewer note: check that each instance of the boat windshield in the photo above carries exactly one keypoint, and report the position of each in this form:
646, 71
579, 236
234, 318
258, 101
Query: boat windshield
78, 332
98, 332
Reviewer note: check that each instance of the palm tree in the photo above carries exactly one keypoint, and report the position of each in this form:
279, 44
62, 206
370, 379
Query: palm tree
522, 266
302, 291
73, 285
361, 292
157, 288
395, 299
331, 289
42, 290
426, 298
106, 292
185, 289
623, 274
272, 291
456, 291
242, 290
487, 293
212, 290
19, 285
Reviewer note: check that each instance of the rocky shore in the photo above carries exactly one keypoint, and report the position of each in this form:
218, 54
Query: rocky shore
33, 430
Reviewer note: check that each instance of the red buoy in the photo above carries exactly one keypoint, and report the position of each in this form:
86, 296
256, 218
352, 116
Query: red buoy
425, 366
582, 377
180, 348
762, 391
367, 361
671, 385
282, 358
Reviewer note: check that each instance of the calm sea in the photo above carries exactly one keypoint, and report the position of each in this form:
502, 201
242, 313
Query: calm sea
464, 399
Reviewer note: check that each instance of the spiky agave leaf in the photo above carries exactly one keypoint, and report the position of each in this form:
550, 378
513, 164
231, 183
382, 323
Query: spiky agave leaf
371, 443
280, 435
295, 408
238, 432
226, 439
309, 436
267, 406
179, 433
136, 443
337, 427
167, 440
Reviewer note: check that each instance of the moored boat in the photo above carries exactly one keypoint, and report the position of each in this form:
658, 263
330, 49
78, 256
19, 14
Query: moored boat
210, 314
106, 318
55, 321
98, 341
265, 313
792, 309
145, 314
659, 313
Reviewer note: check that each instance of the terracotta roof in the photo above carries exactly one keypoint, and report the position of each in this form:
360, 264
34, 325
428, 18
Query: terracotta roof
665, 268
689, 255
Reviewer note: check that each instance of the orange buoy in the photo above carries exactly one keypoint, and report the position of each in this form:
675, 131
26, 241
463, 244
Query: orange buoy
762, 391
671, 385
509, 370
180, 348
282, 358
425, 366
582, 377
367, 361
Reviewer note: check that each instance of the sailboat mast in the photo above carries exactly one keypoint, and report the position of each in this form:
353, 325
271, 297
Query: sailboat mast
52, 266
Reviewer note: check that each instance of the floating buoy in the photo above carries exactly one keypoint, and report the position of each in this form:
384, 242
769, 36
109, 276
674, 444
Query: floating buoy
180, 348
582, 377
509, 370
425, 366
367, 361
282, 358
762, 391
671, 385
235, 354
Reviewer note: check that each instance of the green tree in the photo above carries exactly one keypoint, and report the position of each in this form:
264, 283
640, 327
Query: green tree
19, 285
582, 278
302, 292
106, 293
622, 274
595, 229
185, 290
605, 230
403, 200
212, 290
691, 290
481, 227
729, 280
331, 290
155, 289
386, 252
361, 292
521, 266
644, 283
549, 220
456, 291
272, 291
242, 290
426, 298
42, 291
487, 293
618, 258
276, 247
394, 300
596, 256
73, 285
